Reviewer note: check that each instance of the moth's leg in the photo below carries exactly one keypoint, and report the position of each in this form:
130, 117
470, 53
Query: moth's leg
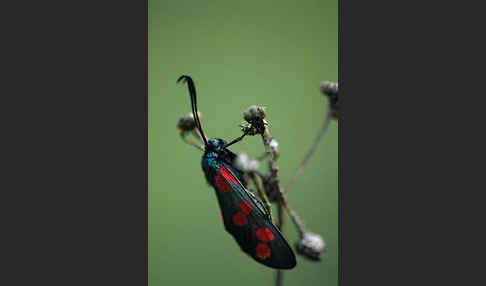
237, 139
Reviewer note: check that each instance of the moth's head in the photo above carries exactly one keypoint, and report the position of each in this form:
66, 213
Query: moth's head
215, 144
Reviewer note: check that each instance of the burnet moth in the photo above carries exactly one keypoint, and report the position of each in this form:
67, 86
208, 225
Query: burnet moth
243, 213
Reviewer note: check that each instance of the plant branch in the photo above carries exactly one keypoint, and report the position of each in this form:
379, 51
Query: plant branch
311, 151
198, 135
262, 156
261, 175
262, 194
191, 142
293, 215
275, 180
282, 197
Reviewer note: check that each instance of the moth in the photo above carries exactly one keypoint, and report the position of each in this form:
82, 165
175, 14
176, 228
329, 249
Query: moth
244, 215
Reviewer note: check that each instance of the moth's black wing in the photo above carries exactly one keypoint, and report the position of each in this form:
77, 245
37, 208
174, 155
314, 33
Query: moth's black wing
231, 159
246, 220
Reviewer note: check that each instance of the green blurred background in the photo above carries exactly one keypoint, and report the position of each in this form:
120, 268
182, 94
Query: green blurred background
239, 53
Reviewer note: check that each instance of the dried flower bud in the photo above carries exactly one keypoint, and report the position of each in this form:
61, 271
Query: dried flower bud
253, 113
187, 122
329, 88
255, 116
311, 245
274, 148
244, 163
249, 129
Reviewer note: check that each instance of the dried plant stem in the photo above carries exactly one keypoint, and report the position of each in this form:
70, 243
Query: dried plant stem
260, 174
311, 151
266, 142
198, 135
191, 142
279, 278
263, 156
282, 200
275, 180
262, 195
293, 215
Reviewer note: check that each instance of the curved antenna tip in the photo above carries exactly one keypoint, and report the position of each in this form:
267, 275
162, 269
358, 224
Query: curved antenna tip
186, 77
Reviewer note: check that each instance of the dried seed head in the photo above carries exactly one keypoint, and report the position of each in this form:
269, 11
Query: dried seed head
311, 245
245, 163
187, 122
249, 129
329, 88
253, 113
255, 116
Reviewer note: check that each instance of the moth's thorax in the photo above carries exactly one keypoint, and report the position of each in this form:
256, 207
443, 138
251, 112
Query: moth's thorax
210, 157
215, 155
214, 150
215, 145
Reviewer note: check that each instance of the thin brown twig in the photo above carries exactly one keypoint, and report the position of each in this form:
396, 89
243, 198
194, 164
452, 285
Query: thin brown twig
282, 201
198, 135
263, 156
260, 174
274, 177
293, 215
254, 116
311, 151
190, 142
262, 194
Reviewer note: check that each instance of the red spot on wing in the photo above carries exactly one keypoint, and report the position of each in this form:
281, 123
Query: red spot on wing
221, 184
227, 174
239, 219
262, 251
265, 234
245, 206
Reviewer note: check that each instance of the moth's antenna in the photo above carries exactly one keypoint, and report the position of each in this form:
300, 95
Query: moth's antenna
192, 93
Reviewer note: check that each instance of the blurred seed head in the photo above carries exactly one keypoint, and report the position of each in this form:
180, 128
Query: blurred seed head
274, 148
331, 90
253, 113
187, 122
245, 163
311, 245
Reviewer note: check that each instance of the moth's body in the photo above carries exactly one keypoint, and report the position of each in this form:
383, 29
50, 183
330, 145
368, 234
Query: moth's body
244, 216
215, 154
